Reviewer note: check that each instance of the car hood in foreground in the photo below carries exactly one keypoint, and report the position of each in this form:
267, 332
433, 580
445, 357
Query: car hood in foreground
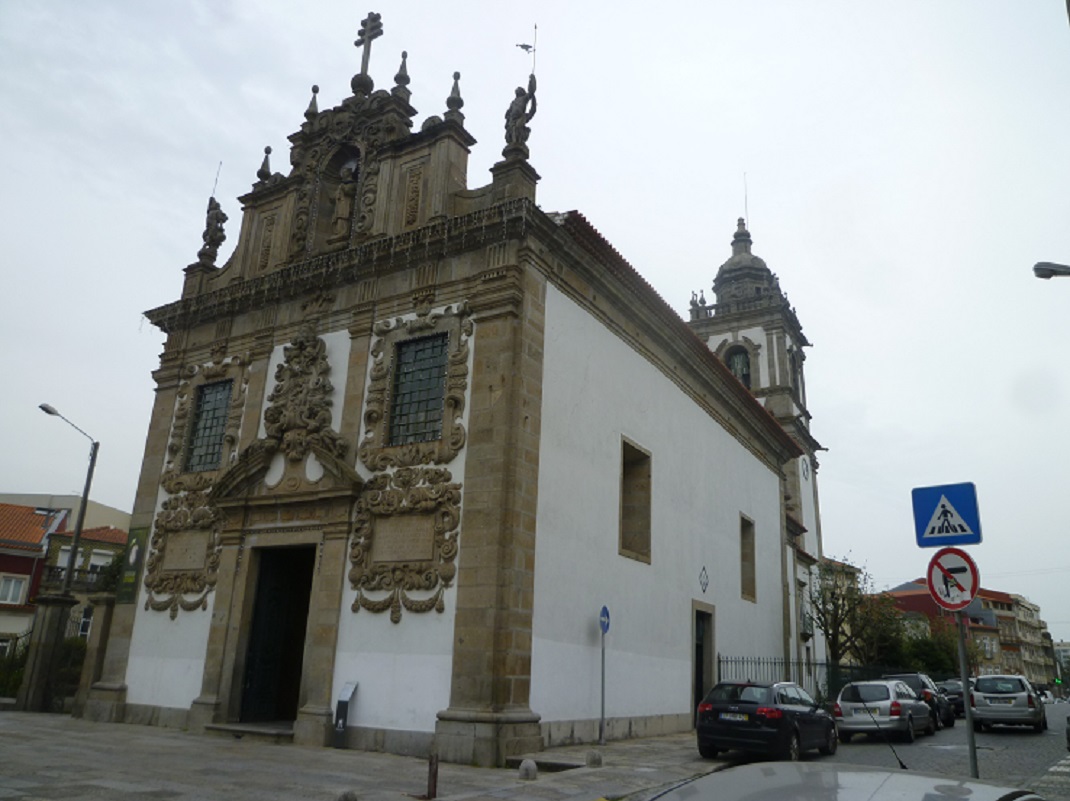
825, 781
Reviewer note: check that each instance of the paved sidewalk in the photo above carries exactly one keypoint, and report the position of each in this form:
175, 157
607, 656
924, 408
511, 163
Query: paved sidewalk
53, 757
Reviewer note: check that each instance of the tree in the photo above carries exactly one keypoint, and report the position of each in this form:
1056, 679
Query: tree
881, 638
835, 597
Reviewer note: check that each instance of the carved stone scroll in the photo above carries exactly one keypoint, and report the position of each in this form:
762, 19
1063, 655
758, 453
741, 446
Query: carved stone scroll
405, 541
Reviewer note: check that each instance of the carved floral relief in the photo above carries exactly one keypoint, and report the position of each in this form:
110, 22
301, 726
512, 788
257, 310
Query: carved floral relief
299, 411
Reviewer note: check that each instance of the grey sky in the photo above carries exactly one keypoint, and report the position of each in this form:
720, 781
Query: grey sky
906, 164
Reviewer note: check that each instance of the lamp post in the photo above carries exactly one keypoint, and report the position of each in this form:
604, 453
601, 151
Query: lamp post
53, 611
1047, 269
72, 557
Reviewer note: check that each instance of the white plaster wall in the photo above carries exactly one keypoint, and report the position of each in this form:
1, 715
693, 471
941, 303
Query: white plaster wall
167, 656
596, 390
403, 669
166, 662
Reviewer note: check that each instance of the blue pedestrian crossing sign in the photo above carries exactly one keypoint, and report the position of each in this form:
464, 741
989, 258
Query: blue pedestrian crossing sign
946, 515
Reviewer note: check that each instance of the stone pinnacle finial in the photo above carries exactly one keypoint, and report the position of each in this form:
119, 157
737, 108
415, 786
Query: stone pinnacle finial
455, 102
401, 80
371, 27
313, 107
741, 242
265, 166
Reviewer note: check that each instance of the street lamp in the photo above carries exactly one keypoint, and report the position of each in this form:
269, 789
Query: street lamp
1047, 269
68, 575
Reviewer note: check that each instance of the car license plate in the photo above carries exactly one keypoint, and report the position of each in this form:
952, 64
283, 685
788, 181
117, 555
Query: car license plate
863, 711
739, 716
1001, 700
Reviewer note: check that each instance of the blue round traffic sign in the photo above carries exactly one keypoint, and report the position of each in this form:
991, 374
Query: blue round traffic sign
603, 620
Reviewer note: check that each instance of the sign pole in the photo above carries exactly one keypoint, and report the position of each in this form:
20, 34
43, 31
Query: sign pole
602, 720
964, 677
603, 625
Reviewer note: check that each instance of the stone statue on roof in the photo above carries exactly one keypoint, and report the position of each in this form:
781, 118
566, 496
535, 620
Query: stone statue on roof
517, 117
213, 235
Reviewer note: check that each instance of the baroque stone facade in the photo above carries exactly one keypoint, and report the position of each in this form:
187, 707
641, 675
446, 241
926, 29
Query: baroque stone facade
345, 480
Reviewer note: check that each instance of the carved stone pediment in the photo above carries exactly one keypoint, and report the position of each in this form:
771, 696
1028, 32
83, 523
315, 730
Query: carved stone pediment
248, 478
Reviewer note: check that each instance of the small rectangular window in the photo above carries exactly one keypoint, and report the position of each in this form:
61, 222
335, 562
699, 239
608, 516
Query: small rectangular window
205, 450
11, 589
418, 403
747, 567
635, 485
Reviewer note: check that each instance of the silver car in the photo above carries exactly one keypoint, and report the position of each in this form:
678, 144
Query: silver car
885, 705
1007, 699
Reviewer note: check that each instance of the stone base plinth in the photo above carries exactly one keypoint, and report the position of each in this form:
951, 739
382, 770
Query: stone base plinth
313, 726
105, 703
486, 739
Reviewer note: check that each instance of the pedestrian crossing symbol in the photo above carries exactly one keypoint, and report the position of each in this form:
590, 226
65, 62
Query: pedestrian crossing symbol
946, 520
946, 515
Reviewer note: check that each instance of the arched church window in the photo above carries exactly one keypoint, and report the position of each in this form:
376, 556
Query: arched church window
738, 361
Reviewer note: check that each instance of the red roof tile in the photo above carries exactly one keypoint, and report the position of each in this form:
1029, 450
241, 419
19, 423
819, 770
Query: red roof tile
115, 536
21, 527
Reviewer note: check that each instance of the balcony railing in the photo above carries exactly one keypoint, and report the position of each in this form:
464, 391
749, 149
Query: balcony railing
82, 581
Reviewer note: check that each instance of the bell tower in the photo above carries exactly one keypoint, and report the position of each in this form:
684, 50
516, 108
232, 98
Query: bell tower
753, 328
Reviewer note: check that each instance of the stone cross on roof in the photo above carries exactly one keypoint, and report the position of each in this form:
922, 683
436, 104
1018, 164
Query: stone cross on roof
371, 27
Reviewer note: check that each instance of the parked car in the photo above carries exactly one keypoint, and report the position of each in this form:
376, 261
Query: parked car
888, 705
1007, 699
943, 713
952, 688
779, 719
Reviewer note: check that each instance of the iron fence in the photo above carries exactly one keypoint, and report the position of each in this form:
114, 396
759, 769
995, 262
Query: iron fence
823, 680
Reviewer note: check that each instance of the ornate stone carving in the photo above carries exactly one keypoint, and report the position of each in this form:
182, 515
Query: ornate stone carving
219, 367
375, 452
186, 514
183, 517
300, 412
413, 182
405, 541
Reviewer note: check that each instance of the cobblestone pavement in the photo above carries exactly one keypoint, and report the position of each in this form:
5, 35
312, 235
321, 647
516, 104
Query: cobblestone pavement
53, 757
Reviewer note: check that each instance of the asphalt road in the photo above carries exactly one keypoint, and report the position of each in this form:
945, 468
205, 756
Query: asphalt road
1016, 756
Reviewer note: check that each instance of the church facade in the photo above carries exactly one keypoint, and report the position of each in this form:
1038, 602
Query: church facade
411, 438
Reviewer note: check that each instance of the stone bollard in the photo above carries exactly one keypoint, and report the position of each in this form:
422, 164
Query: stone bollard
594, 759
529, 771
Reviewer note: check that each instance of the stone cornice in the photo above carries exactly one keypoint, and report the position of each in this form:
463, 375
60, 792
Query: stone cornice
440, 239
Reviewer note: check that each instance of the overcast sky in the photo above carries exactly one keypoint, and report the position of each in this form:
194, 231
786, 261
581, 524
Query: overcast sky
906, 163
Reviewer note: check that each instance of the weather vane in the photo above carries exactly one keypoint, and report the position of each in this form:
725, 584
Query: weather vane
530, 48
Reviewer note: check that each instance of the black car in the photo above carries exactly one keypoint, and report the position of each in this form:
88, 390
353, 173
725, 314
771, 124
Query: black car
778, 719
952, 688
943, 711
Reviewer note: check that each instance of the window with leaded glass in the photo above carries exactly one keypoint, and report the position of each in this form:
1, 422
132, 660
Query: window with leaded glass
209, 424
419, 390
